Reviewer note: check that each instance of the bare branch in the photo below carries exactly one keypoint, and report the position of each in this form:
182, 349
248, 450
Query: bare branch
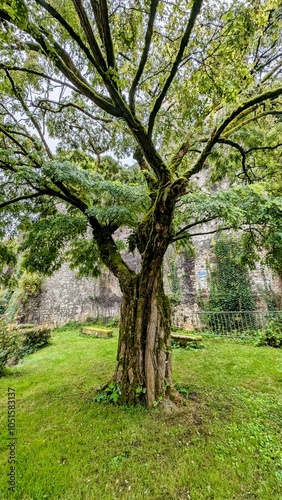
71, 105
212, 231
29, 114
184, 42
226, 228
264, 147
193, 224
23, 197
144, 57
241, 151
272, 94
272, 72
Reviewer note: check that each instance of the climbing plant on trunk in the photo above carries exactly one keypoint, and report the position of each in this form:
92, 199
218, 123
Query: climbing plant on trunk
182, 89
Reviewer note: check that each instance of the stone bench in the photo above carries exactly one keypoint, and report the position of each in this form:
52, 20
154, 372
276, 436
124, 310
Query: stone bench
186, 339
96, 332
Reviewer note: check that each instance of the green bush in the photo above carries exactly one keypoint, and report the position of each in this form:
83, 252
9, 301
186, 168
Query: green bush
36, 337
113, 322
273, 331
18, 340
10, 343
30, 284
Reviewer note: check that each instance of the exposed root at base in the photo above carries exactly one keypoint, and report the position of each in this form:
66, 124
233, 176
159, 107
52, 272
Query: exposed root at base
176, 397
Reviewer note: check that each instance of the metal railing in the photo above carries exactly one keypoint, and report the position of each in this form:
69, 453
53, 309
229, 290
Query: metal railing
240, 324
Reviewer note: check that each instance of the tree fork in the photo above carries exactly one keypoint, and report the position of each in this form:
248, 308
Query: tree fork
144, 368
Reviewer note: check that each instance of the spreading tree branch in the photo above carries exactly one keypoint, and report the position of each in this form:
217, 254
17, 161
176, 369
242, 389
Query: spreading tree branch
61, 59
23, 197
74, 36
241, 124
38, 73
22, 150
264, 148
87, 28
184, 42
271, 94
145, 53
192, 224
100, 10
212, 231
115, 106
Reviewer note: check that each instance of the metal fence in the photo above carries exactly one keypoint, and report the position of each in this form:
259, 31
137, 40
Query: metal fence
240, 324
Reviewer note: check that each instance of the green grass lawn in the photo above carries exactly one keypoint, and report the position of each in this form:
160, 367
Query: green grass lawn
225, 444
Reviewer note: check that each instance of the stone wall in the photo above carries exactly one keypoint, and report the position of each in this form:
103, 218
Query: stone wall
68, 298
65, 297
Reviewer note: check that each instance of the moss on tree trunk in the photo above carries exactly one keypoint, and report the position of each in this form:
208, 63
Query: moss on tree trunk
144, 371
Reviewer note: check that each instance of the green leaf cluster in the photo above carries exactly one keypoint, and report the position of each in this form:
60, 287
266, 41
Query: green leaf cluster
45, 243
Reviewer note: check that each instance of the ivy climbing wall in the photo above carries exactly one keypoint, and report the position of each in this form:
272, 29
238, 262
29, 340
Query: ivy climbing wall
64, 297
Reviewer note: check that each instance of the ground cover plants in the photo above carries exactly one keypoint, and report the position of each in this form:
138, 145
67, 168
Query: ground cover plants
224, 444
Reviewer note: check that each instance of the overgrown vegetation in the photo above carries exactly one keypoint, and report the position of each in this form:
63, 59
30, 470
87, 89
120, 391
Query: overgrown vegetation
224, 444
22, 287
230, 288
175, 296
16, 341
272, 334
192, 345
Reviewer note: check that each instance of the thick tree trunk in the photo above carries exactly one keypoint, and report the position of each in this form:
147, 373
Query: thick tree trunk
144, 371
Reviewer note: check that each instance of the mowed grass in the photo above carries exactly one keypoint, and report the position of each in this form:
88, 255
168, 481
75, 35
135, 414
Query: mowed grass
225, 444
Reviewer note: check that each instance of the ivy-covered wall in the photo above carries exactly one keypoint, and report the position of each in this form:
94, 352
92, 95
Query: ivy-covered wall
64, 297
229, 279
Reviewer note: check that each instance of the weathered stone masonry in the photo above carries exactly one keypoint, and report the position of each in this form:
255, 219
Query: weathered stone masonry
65, 297
68, 298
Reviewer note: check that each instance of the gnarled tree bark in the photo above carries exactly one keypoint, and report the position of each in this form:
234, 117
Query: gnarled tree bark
144, 371
144, 368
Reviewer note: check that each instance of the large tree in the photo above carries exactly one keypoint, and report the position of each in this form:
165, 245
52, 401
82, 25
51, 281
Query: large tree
181, 85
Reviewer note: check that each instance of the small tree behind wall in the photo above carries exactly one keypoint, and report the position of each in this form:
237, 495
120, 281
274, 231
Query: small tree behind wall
230, 287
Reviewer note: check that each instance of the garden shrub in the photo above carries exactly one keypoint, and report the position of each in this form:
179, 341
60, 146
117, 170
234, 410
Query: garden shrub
10, 344
18, 340
36, 337
30, 284
273, 331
